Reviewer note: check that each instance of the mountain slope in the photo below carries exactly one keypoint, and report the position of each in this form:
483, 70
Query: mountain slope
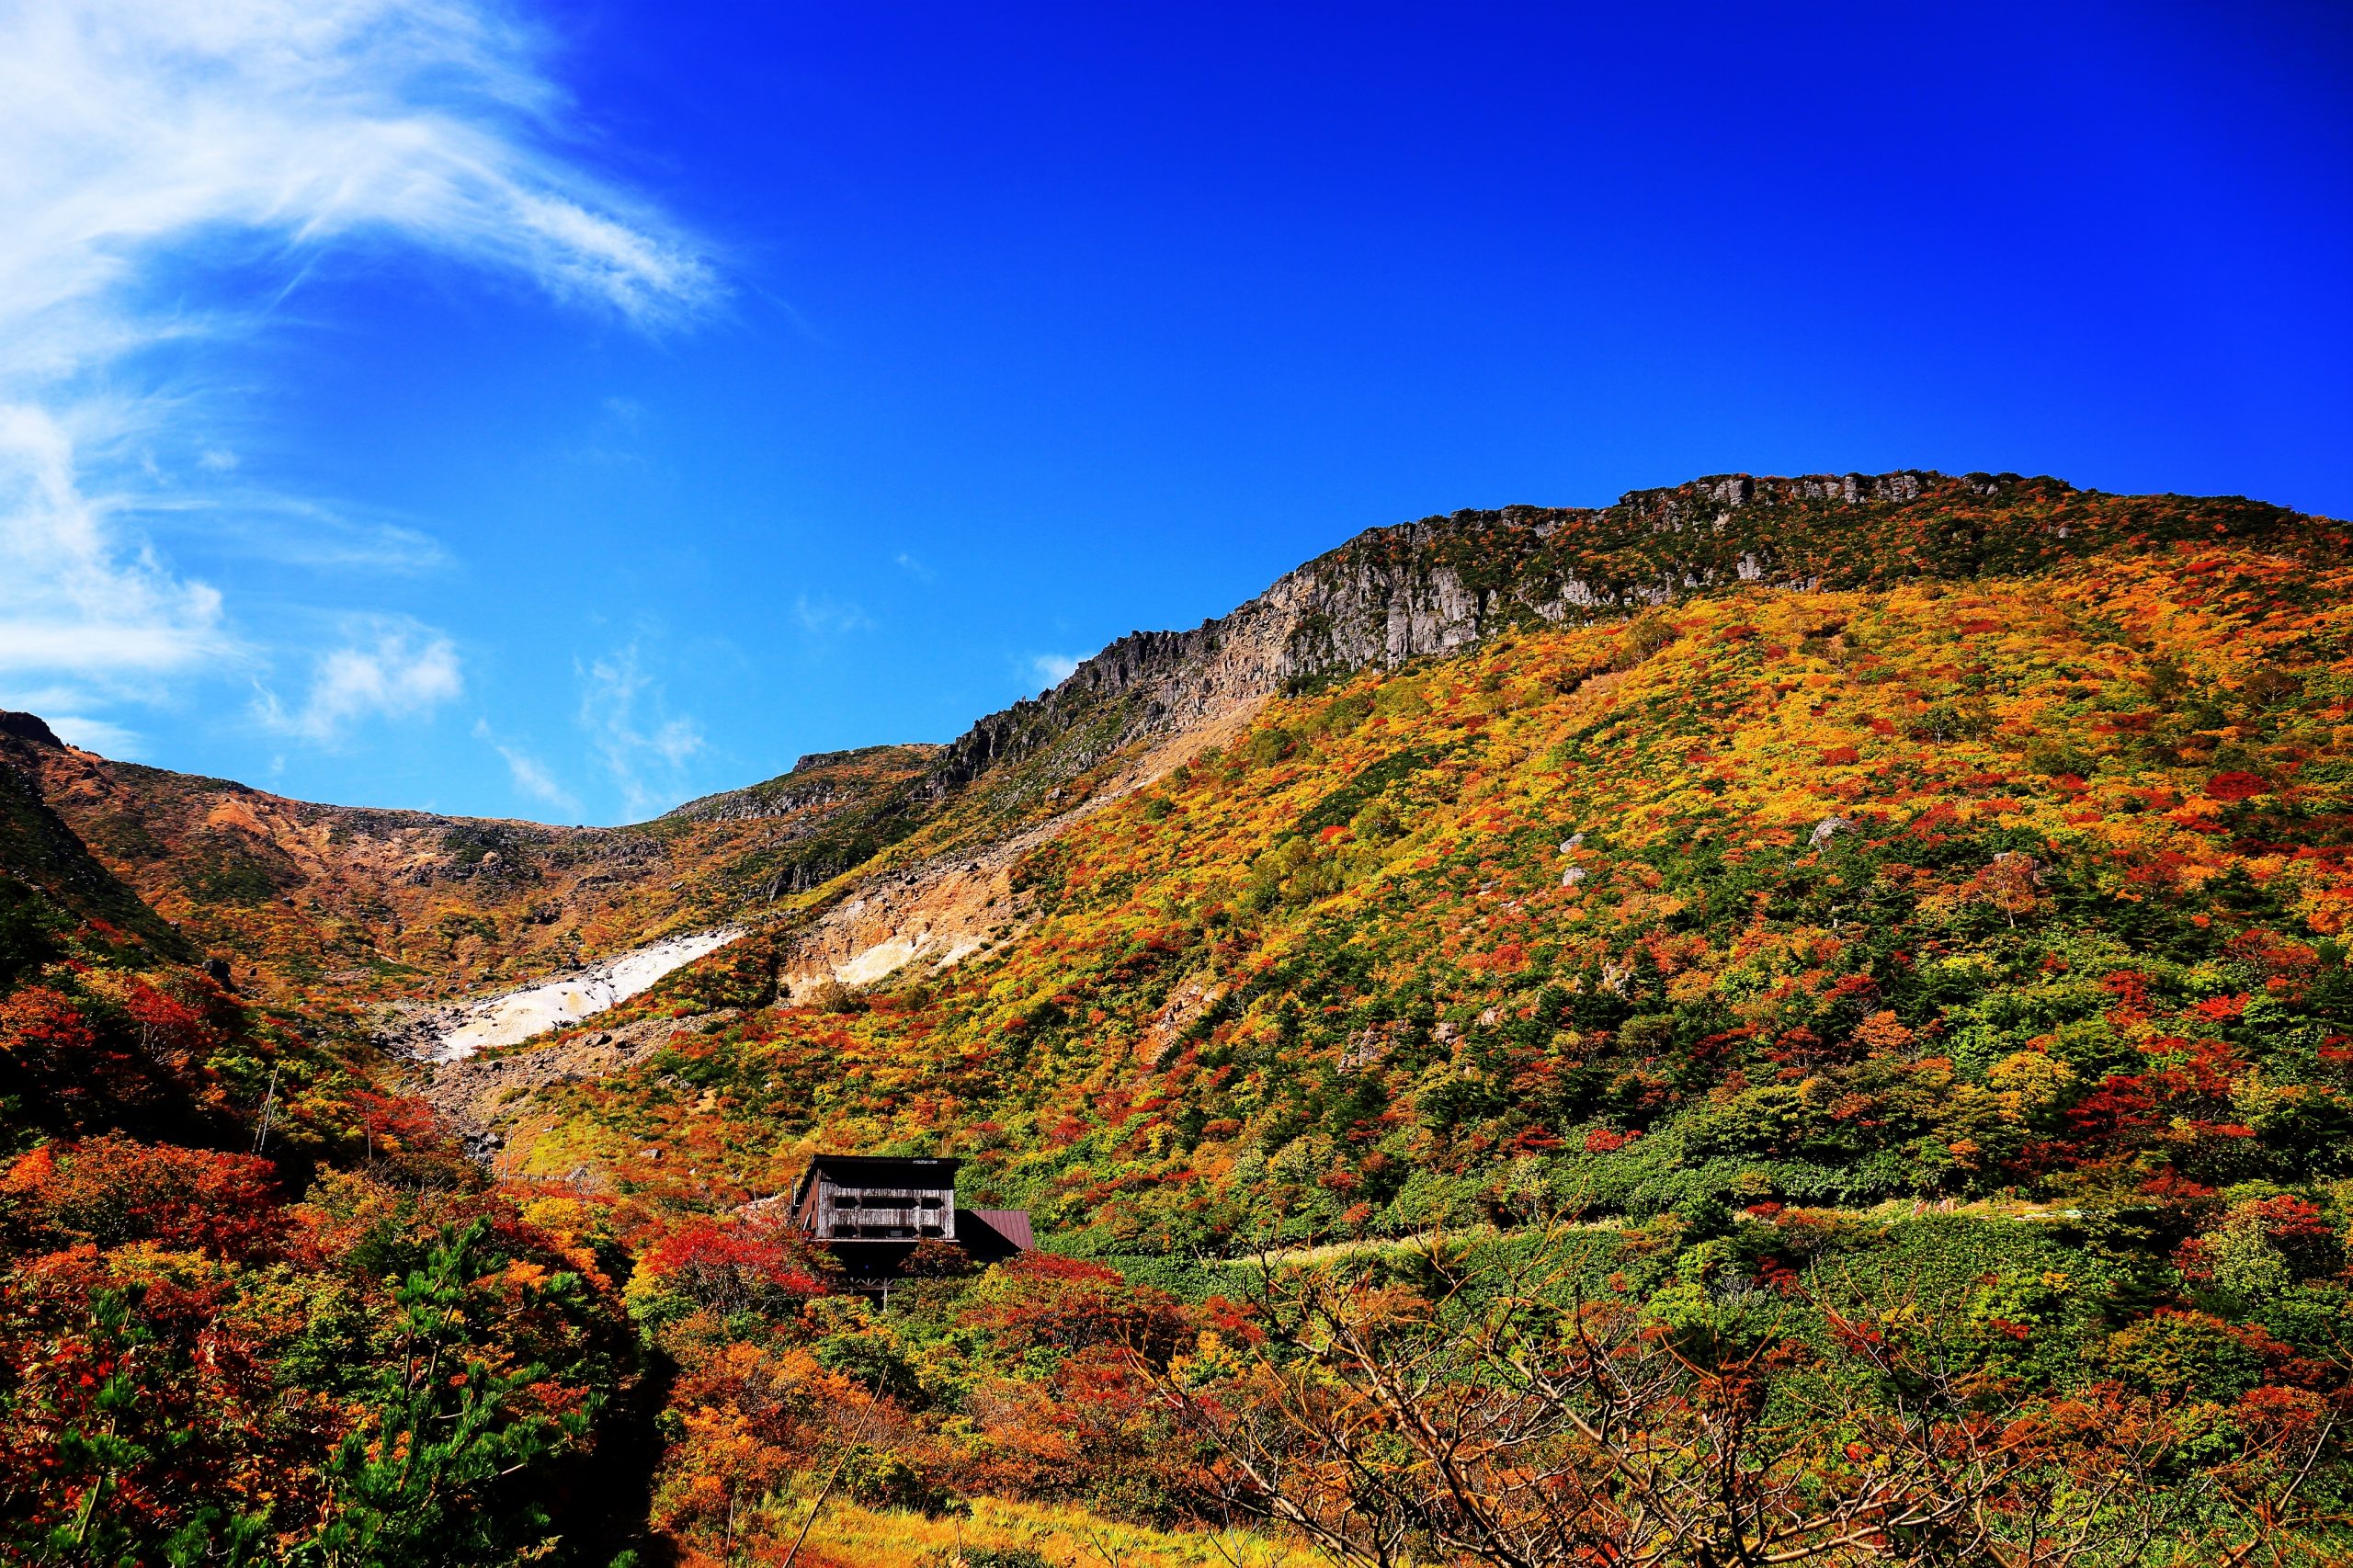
1885, 936
1923, 1002
381, 904
220, 1230
50, 871
358, 901
1438, 589
1931, 890
1434, 587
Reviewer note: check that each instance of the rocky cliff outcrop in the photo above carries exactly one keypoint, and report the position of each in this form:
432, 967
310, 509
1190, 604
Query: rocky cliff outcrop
819, 784
380, 901
1440, 586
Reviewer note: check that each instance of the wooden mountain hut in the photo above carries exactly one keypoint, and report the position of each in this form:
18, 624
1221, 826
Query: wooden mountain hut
874, 1210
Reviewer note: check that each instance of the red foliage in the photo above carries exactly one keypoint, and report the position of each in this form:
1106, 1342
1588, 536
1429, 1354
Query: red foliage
1052, 1266
50, 1044
1068, 1303
390, 1123
40, 1021
1235, 1321
112, 1190
2236, 786
169, 1027
735, 1268
204, 1421
2287, 1220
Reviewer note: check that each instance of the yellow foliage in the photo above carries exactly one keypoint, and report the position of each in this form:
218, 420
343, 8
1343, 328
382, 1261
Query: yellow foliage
848, 1537
2034, 1079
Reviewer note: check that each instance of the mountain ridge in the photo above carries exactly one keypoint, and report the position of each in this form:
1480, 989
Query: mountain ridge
391, 900
1852, 919
1408, 590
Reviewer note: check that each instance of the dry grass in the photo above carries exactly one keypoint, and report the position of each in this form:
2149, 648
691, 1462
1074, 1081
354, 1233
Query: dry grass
850, 1536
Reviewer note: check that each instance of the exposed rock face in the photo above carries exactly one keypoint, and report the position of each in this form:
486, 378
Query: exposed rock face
1388, 596
401, 902
819, 783
486, 1097
940, 909
1440, 586
1437, 587
458, 1030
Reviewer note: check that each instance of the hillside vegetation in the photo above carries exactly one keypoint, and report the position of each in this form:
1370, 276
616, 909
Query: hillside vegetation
2034, 884
1781, 1016
317, 904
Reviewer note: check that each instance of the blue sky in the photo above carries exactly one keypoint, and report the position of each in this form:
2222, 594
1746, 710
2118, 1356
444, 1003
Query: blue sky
561, 411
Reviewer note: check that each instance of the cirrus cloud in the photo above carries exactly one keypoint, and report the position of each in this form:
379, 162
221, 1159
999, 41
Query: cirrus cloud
1054, 668
644, 747
532, 777
150, 149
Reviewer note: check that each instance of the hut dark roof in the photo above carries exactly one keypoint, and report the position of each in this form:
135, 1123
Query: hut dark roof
1013, 1225
1007, 1228
878, 1170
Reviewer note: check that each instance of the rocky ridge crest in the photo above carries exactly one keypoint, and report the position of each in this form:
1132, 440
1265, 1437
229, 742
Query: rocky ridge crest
1440, 586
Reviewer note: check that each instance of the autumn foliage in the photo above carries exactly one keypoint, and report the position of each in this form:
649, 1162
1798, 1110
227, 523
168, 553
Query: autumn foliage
1854, 1063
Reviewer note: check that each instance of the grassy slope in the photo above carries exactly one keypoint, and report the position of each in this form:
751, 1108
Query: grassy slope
2081, 938
318, 902
2047, 1028
1333, 981
847, 1536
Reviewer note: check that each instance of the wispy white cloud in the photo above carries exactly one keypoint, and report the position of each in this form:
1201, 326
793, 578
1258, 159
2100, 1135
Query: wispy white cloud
642, 745
530, 774
140, 123
289, 530
149, 150
96, 734
614, 437
533, 778
822, 617
1052, 668
396, 670
914, 568
78, 602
